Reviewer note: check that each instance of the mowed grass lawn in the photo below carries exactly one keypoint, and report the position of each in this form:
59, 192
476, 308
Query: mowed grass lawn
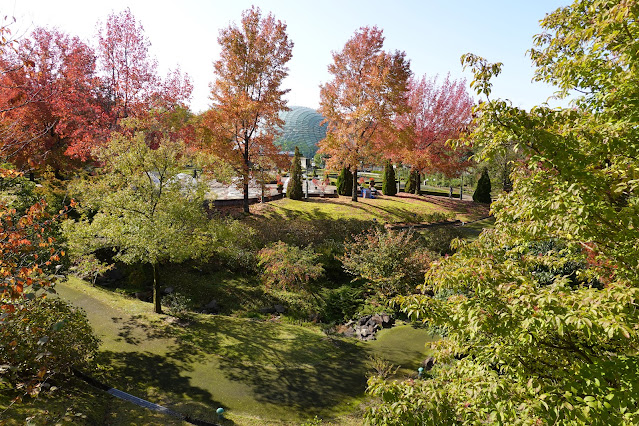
260, 371
401, 208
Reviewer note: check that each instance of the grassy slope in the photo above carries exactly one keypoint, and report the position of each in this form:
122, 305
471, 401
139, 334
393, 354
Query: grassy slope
401, 208
263, 372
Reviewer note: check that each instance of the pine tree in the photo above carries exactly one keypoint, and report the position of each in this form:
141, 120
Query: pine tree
389, 185
345, 182
294, 188
482, 191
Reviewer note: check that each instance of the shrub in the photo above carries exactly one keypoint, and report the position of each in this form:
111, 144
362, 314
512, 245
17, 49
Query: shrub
482, 191
389, 185
289, 267
392, 262
294, 188
341, 304
438, 239
344, 182
42, 338
177, 305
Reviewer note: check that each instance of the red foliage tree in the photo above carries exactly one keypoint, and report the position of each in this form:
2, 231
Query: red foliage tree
130, 82
438, 113
368, 90
50, 78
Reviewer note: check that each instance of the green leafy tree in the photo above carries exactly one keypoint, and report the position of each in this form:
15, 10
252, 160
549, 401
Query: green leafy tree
145, 211
412, 184
482, 191
294, 188
389, 184
345, 182
561, 351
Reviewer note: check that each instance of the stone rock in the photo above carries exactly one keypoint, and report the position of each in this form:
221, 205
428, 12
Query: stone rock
428, 363
211, 307
280, 309
168, 290
267, 310
363, 320
145, 296
377, 319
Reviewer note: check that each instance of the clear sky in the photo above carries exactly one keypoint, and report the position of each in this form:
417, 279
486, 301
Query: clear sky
434, 34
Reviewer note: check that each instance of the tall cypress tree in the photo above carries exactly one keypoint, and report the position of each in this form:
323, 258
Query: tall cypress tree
345, 182
294, 188
389, 185
482, 191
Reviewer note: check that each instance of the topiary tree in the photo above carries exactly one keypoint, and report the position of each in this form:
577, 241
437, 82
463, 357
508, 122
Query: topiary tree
345, 182
294, 188
389, 186
412, 185
482, 191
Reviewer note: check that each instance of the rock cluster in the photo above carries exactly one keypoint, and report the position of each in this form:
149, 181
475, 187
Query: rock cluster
367, 326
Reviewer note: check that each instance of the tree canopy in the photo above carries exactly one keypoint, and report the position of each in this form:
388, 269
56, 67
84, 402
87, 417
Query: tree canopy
247, 96
368, 89
539, 314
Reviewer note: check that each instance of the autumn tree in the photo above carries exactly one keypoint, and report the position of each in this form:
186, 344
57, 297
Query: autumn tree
540, 312
367, 91
130, 83
41, 337
51, 81
247, 95
438, 112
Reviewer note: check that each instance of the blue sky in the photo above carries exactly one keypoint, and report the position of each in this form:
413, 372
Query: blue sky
434, 34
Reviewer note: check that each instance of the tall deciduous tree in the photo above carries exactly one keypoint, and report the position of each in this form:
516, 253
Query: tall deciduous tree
129, 76
438, 112
144, 210
542, 308
247, 95
51, 79
368, 90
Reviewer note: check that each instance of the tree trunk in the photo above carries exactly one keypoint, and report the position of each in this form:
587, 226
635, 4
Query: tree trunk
245, 177
245, 190
354, 196
418, 183
157, 305
461, 188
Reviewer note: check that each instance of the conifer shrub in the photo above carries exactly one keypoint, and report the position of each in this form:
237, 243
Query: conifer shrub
482, 191
344, 182
389, 185
294, 189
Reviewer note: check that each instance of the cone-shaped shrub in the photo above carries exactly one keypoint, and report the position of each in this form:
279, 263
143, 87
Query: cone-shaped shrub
294, 189
482, 192
389, 185
345, 182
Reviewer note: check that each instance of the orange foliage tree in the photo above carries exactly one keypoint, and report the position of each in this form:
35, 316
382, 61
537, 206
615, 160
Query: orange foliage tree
438, 113
247, 96
368, 90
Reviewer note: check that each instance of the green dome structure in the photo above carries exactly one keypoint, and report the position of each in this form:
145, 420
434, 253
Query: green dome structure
302, 128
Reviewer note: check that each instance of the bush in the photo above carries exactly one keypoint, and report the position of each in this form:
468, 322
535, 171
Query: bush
341, 304
42, 338
412, 185
392, 262
344, 182
289, 267
438, 239
177, 305
389, 184
482, 191
294, 188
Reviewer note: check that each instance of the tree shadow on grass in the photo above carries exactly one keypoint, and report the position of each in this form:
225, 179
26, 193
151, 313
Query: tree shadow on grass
142, 373
283, 365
